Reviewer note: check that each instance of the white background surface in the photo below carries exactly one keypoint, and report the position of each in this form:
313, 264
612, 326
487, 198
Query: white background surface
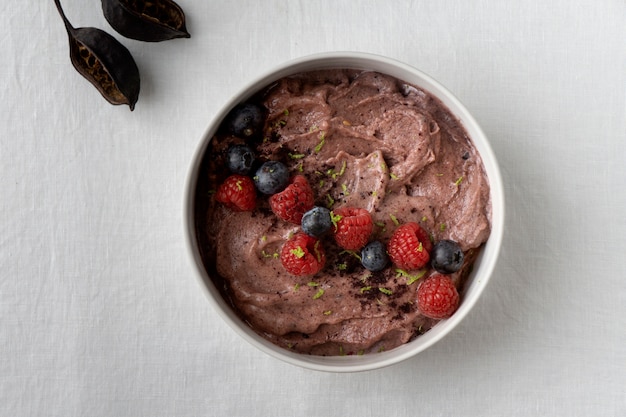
100, 310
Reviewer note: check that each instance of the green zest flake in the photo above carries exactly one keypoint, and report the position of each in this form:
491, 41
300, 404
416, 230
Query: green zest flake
380, 224
296, 155
414, 278
424, 218
320, 173
322, 142
351, 252
340, 173
313, 128
318, 254
342, 266
238, 184
321, 184
296, 287
211, 192
393, 176
442, 227
458, 182
289, 345
334, 218
419, 248
344, 188
330, 200
312, 284
265, 254
381, 349
318, 294
301, 167
440, 175
410, 278
383, 167
263, 238
276, 255
394, 219
255, 178
374, 194
385, 291
299, 252
286, 112
328, 312
365, 289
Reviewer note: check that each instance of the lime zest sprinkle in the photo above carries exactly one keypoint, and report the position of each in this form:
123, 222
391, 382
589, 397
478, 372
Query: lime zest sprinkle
321, 184
440, 175
318, 294
322, 142
458, 181
276, 255
351, 252
301, 167
381, 349
364, 289
327, 312
330, 200
334, 218
211, 192
265, 254
419, 248
238, 184
383, 167
255, 178
342, 170
385, 291
442, 227
298, 252
394, 176
424, 218
394, 219
410, 278
264, 238
296, 155
346, 123
286, 112
344, 188
296, 287
312, 284
316, 249
379, 224
313, 128
342, 266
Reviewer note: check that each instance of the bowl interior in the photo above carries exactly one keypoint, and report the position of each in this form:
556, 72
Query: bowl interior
483, 266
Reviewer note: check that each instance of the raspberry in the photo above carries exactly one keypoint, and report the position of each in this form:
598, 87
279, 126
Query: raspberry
409, 246
237, 193
437, 297
353, 227
303, 255
295, 200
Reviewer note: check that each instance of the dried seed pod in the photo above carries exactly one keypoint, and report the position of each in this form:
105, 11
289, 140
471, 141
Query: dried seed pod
146, 20
104, 62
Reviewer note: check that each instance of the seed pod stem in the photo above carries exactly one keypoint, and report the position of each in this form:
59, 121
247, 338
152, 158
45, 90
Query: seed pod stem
104, 62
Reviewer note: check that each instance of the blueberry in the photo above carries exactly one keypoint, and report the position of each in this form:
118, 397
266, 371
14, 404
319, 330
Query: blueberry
239, 159
271, 177
374, 256
246, 120
446, 257
316, 221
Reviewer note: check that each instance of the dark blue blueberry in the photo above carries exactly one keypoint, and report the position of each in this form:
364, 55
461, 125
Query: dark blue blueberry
271, 177
316, 221
246, 120
446, 257
374, 256
239, 159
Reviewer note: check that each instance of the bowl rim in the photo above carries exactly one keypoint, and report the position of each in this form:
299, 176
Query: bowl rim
486, 261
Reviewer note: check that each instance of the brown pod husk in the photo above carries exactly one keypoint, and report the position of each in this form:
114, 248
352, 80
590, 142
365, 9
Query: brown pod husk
146, 20
104, 62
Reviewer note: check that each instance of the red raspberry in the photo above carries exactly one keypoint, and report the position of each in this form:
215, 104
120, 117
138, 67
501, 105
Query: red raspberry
409, 246
437, 297
237, 193
295, 200
353, 229
303, 255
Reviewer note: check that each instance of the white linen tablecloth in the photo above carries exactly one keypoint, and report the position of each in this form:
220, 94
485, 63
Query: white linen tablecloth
101, 313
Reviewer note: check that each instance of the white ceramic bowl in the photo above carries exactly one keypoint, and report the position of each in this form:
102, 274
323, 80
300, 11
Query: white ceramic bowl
483, 267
